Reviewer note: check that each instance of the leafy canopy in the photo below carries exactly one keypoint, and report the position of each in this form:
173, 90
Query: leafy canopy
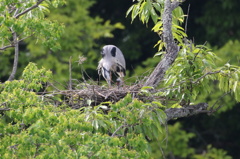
18, 16
195, 68
32, 126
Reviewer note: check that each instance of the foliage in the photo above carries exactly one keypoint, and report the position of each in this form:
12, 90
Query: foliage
30, 23
194, 70
154, 9
21, 20
177, 146
216, 31
213, 153
195, 65
175, 143
31, 126
230, 48
179, 142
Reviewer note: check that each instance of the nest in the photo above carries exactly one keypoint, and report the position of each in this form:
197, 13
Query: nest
91, 95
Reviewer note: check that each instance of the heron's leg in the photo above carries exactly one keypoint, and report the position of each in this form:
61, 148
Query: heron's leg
110, 80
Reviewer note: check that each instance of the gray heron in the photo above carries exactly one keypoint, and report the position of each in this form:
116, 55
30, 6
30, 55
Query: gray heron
112, 61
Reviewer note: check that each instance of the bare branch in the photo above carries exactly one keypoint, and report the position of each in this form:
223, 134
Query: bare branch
29, 9
186, 22
12, 45
5, 47
174, 113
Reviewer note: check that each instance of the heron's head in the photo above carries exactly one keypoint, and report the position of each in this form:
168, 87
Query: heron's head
109, 50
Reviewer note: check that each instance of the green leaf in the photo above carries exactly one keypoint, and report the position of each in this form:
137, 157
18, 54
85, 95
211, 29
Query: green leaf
135, 11
129, 10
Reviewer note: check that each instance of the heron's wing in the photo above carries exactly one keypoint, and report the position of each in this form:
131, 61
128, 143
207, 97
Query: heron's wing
120, 60
106, 73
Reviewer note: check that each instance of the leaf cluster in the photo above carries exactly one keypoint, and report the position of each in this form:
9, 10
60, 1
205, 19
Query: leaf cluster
32, 126
20, 18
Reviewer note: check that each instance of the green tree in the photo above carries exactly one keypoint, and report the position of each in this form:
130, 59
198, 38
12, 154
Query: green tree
42, 125
21, 20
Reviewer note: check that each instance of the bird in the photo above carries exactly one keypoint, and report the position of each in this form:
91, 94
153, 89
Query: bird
112, 61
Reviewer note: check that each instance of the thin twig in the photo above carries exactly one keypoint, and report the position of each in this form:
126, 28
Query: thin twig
187, 18
209, 73
199, 51
70, 74
219, 98
16, 12
120, 127
182, 82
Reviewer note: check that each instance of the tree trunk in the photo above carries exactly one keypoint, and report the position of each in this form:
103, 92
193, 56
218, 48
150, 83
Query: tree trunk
171, 47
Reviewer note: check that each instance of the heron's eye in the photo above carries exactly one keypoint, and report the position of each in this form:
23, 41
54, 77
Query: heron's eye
113, 51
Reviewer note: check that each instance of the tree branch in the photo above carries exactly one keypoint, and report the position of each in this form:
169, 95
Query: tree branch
5, 47
174, 113
29, 9
120, 127
15, 62
209, 73
12, 45
4, 109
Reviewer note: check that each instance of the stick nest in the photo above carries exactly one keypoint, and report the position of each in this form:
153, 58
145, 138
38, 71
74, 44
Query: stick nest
95, 94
